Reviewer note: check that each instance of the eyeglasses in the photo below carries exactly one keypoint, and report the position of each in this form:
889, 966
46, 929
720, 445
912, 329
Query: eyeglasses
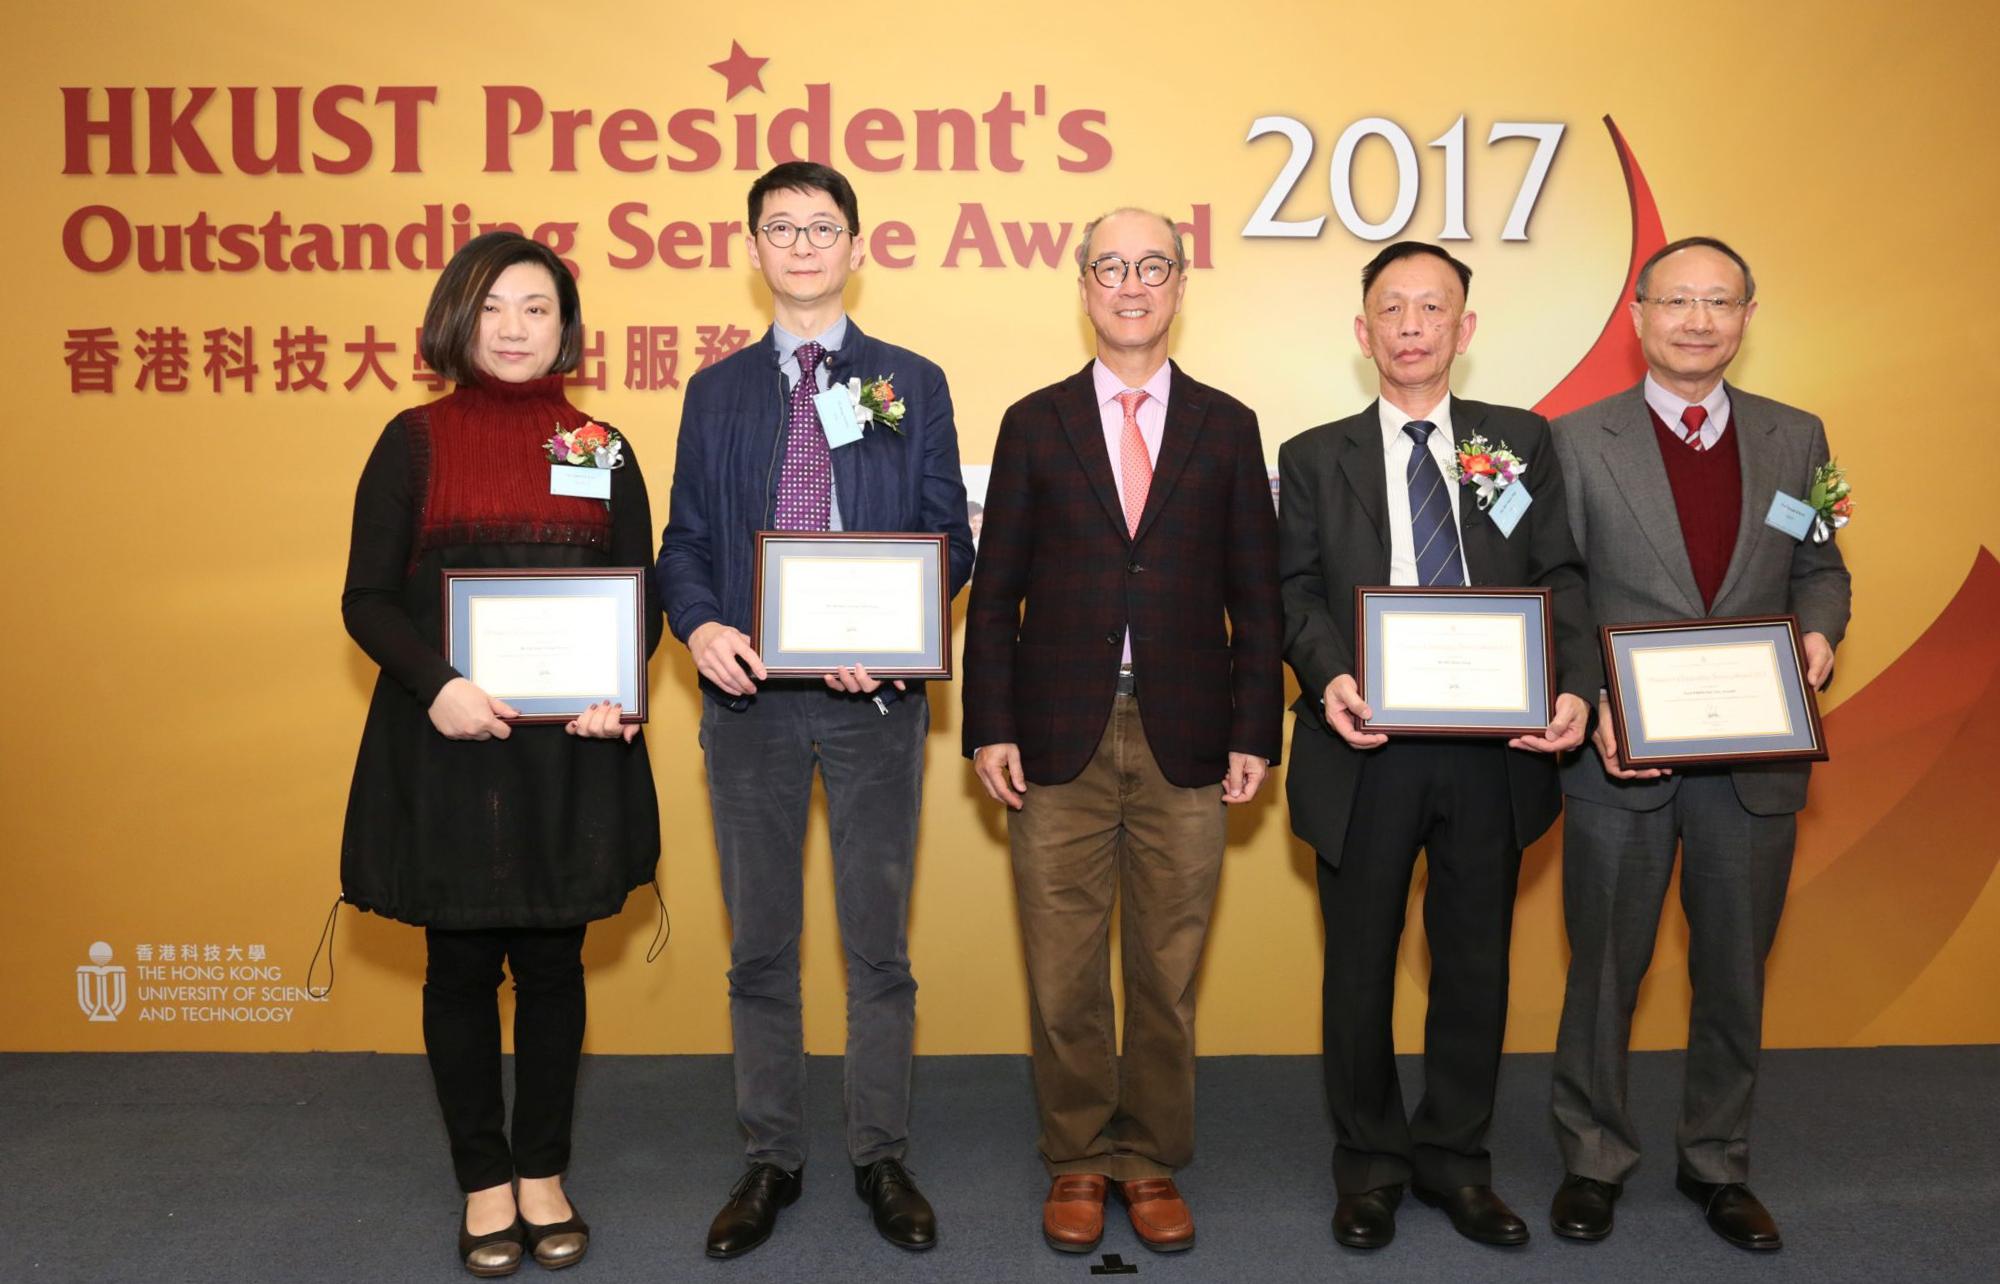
781, 234
1111, 270
1680, 305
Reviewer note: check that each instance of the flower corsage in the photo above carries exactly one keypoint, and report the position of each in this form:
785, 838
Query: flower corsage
589, 445
1829, 500
876, 402
1487, 468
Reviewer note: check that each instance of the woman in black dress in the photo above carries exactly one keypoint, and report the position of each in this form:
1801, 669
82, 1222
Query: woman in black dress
502, 842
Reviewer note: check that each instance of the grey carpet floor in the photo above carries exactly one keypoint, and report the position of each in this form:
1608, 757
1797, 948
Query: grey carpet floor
1880, 1165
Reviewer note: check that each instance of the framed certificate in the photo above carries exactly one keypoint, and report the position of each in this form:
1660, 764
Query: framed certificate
550, 642
1455, 661
875, 598
1690, 693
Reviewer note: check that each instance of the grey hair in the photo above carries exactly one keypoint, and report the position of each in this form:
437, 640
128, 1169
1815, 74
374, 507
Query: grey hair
1090, 229
1645, 280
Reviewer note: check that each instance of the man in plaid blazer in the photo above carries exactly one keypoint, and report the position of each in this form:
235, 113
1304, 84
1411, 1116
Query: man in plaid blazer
1122, 684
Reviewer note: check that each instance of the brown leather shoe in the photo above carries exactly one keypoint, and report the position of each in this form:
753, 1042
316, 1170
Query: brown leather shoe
1159, 1215
1073, 1214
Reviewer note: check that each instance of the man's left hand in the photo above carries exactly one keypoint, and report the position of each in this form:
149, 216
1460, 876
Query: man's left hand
1819, 659
1566, 732
854, 679
1246, 772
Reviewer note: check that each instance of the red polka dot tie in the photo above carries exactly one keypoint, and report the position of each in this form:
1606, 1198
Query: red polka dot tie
805, 483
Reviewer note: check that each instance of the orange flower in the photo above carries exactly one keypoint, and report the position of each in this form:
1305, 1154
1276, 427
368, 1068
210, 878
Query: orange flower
1843, 507
1477, 465
886, 391
591, 437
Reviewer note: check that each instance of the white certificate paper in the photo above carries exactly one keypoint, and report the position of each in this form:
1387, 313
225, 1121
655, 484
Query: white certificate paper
540, 647
1731, 690
851, 604
1461, 663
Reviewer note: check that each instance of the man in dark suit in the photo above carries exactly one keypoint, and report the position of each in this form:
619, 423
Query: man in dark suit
1670, 482
753, 455
1122, 684
1373, 500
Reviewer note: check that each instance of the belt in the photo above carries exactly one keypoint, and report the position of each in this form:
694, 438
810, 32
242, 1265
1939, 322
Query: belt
1127, 683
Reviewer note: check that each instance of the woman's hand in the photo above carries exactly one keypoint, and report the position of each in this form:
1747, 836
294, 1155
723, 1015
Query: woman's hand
463, 712
600, 722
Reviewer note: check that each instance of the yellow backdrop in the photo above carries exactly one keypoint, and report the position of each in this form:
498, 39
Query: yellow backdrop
184, 706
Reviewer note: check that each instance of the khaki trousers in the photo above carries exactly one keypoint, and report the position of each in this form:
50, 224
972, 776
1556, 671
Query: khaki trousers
1119, 825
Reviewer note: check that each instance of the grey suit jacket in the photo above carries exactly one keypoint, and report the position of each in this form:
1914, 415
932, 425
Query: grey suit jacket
1621, 511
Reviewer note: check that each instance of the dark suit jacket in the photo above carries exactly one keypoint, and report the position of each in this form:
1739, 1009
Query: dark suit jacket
731, 451
1334, 537
1197, 586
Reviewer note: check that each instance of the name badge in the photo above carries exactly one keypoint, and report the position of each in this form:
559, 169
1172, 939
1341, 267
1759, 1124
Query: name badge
836, 416
584, 483
1506, 511
1792, 516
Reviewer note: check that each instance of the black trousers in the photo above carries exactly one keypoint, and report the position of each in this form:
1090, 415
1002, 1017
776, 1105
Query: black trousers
1450, 799
462, 1037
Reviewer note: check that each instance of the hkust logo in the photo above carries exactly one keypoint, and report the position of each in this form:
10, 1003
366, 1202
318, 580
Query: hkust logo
100, 985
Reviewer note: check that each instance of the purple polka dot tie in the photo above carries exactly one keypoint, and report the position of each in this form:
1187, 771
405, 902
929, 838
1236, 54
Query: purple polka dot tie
805, 484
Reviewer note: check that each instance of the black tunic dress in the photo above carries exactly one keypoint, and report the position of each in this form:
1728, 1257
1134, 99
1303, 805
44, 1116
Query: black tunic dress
542, 829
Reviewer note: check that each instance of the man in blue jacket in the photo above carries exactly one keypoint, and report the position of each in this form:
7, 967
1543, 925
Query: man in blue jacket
753, 456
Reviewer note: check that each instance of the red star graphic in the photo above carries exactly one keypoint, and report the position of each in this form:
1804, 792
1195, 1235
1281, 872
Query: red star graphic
740, 70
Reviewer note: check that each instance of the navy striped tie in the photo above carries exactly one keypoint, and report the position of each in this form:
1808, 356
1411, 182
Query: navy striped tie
1433, 533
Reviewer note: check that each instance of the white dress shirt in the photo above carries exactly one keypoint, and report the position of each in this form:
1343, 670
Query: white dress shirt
1396, 448
1669, 407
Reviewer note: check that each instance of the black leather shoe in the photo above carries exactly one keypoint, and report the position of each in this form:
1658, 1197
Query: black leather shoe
1733, 1212
493, 1254
752, 1211
902, 1214
558, 1244
1367, 1220
1477, 1213
1582, 1207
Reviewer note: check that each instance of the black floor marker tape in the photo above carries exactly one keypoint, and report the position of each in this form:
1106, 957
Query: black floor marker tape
1115, 1265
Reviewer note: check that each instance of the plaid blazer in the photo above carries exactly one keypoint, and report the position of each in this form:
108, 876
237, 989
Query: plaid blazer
1058, 581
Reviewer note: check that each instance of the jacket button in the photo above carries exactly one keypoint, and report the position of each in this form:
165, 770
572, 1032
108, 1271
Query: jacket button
1114, 637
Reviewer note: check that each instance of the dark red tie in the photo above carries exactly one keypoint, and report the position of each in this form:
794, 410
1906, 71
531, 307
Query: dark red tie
1691, 421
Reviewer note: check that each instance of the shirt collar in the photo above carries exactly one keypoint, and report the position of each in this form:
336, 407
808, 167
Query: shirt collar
1109, 385
1393, 420
788, 343
1669, 407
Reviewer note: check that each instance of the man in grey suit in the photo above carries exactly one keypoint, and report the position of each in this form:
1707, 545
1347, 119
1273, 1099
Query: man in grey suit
1669, 484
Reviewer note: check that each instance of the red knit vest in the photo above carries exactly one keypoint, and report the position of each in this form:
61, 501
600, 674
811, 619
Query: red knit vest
1708, 494
479, 457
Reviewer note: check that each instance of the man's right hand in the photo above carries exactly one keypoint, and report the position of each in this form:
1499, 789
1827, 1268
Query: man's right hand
1344, 711
716, 649
1606, 741
999, 768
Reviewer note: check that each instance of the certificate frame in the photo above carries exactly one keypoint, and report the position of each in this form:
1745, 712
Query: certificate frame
1377, 609
623, 586
1777, 639
784, 556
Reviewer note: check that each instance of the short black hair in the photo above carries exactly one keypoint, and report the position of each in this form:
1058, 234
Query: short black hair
800, 176
1693, 243
451, 320
1406, 249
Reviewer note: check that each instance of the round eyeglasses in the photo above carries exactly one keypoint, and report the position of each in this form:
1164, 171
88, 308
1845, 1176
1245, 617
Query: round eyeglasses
782, 234
1111, 270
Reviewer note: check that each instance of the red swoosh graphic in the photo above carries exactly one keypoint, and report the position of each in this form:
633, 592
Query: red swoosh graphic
1614, 362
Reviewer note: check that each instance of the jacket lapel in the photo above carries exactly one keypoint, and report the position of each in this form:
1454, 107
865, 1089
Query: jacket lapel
1760, 479
1475, 529
1187, 407
1361, 464
1076, 407
1633, 458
